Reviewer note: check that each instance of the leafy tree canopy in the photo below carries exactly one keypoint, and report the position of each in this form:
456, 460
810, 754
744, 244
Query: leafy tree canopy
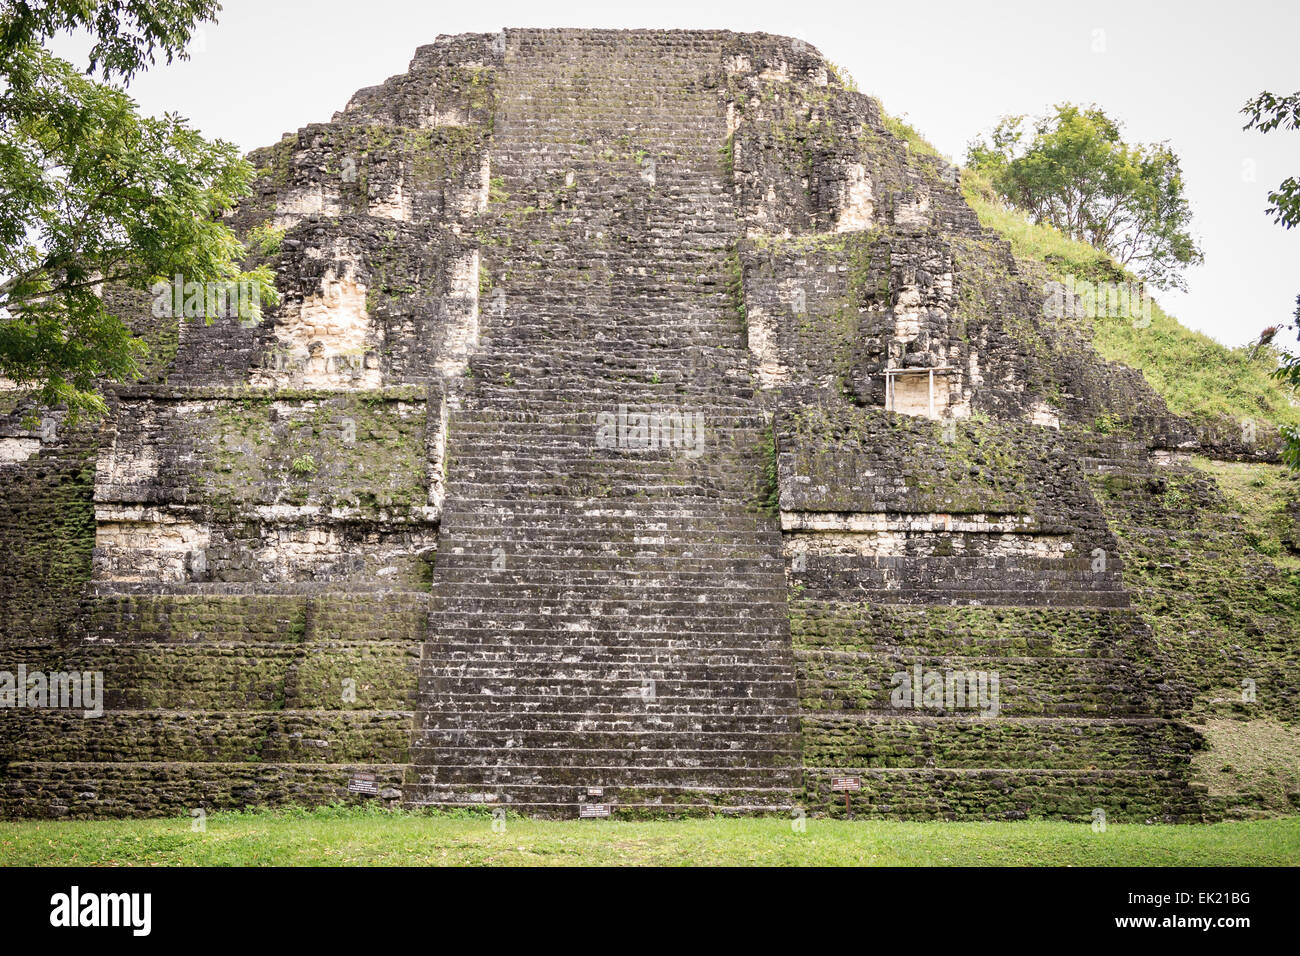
1071, 169
93, 194
127, 33
1267, 112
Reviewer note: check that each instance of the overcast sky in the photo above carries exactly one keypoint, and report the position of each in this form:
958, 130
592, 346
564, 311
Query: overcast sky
1170, 71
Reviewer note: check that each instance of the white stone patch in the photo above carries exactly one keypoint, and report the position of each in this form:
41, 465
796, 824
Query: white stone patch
1171, 459
17, 449
287, 552
396, 205
739, 64
452, 117
912, 395
141, 543
776, 74
864, 522
437, 451
329, 342
890, 544
292, 205
297, 553
19, 442
914, 214
959, 406
1044, 414
734, 119
763, 330
114, 470
462, 316
907, 314
857, 200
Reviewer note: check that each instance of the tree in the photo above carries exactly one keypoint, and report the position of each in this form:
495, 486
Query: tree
127, 32
93, 194
1077, 174
1267, 112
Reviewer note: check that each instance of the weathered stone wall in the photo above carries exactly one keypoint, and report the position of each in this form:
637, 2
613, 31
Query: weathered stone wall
249, 539
398, 527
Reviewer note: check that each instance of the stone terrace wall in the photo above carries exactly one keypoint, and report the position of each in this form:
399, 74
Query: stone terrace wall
388, 530
248, 561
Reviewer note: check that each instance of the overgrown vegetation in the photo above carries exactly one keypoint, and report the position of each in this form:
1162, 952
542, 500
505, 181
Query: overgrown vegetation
1266, 113
1250, 767
1197, 376
94, 195
1261, 495
1073, 170
735, 279
910, 135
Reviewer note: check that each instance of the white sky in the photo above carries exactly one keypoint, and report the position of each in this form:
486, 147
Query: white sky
1170, 71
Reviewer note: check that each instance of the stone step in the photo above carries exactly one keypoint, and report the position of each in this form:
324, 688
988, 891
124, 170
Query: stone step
77, 790
864, 739
563, 800
732, 776
506, 619
506, 725
487, 644
535, 744
988, 597
502, 762
471, 667
282, 736
1127, 796
620, 700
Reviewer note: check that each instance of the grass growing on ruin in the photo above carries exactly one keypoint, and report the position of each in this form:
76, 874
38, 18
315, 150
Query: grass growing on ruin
335, 836
1250, 767
1197, 376
1261, 494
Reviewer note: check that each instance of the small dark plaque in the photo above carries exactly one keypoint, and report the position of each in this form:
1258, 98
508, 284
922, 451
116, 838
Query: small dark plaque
589, 811
363, 783
846, 783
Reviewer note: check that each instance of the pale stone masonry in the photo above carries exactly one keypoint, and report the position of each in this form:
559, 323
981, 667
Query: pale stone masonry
415, 524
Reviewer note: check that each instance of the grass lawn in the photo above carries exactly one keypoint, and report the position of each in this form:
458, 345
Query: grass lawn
336, 837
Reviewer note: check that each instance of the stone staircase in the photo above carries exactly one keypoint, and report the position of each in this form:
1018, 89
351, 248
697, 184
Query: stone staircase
608, 623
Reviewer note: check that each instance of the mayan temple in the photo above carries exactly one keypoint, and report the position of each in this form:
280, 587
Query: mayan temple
642, 425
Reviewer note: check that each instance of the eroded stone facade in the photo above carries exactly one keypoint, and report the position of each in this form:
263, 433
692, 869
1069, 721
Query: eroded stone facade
379, 533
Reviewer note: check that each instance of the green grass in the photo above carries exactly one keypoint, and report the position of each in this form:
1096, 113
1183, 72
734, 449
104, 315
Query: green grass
1037, 242
1198, 377
333, 837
